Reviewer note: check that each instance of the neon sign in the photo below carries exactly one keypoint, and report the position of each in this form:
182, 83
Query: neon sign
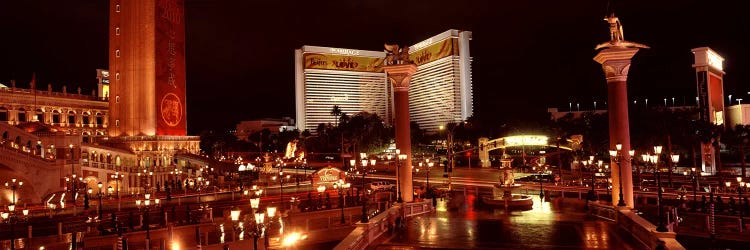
527, 140
714, 60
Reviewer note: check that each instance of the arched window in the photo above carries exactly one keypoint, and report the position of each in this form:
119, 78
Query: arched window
40, 115
5, 135
71, 118
86, 137
55, 117
21, 115
99, 120
86, 120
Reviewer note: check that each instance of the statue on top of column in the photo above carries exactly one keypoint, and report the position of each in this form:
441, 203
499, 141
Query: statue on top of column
617, 39
395, 56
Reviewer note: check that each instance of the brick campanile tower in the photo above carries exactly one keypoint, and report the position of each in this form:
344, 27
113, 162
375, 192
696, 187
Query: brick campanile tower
615, 59
147, 62
399, 74
147, 108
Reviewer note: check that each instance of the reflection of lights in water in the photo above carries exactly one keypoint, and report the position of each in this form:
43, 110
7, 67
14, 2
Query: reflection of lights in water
442, 207
221, 229
596, 236
292, 238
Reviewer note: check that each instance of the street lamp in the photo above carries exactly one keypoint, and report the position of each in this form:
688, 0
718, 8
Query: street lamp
341, 187
144, 206
365, 217
271, 213
100, 198
401, 158
617, 159
739, 191
694, 180
321, 189
654, 161
12, 217
118, 178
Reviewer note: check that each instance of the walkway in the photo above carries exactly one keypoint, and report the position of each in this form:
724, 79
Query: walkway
555, 224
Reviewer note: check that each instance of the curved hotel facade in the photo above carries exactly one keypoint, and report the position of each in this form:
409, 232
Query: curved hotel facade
441, 91
354, 80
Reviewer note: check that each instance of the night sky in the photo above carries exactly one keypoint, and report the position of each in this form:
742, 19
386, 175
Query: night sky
528, 55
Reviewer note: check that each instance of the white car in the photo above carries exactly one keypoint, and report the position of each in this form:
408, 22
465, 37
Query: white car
381, 186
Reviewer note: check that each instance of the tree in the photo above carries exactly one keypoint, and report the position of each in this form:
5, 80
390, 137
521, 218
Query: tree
336, 113
737, 138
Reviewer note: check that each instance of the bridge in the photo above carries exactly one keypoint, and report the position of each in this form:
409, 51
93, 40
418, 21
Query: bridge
486, 145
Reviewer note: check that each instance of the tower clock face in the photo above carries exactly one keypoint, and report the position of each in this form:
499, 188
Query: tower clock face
171, 109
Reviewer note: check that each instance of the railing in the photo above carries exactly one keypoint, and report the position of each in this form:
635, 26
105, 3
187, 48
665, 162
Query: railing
601, 211
646, 232
366, 233
48, 93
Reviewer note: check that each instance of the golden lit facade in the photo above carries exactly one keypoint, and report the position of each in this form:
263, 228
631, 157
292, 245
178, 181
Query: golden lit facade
71, 113
351, 79
441, 89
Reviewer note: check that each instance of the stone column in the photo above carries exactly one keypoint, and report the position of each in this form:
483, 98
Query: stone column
615, 62
400, 76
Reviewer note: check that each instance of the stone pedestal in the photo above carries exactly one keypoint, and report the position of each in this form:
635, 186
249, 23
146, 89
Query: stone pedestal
400, 77
615, 62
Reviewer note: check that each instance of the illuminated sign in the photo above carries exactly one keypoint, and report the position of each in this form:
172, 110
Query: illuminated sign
341, 62
526, 140
714, 60
327, 176
170, 68
351, 52
435, 51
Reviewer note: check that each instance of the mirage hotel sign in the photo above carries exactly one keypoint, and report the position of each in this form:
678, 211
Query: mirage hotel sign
327, 176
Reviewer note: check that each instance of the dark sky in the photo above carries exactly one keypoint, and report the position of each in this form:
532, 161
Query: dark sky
528, 55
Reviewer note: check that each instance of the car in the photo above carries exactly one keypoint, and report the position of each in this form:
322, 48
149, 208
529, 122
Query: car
381, 186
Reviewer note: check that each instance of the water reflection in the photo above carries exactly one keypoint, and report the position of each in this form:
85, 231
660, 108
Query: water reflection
462, 223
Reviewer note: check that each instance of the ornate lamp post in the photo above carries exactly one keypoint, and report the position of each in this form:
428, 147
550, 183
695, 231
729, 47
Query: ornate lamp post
739, 192
144, 206
541, 187
694, 180
271, 213
100, 198
118, 178
592, 192
617, 158
321, 189
341, 187
12, 218
365, 217
257, 229
654, 161
401, 158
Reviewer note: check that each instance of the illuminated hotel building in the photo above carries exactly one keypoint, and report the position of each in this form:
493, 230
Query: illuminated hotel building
352, 79
440, 91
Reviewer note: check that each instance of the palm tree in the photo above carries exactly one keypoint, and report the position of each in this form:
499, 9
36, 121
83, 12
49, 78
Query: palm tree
711, 134
336, 112
738, 137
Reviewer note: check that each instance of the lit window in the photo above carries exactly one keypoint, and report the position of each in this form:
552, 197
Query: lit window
117, 53
117, 75
117, 8
117, 31
117, 99
117, 123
